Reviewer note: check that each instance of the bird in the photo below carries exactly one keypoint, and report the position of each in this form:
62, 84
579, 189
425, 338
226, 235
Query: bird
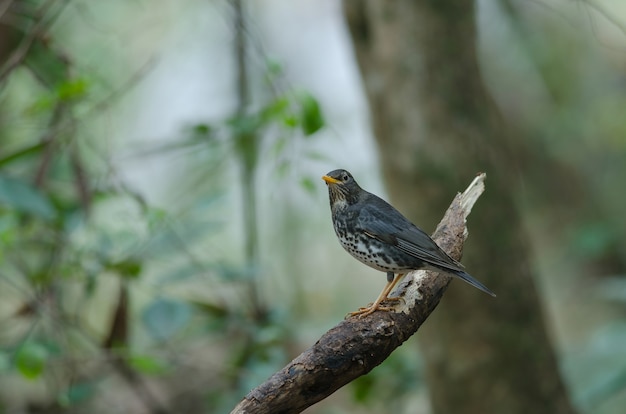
378, 235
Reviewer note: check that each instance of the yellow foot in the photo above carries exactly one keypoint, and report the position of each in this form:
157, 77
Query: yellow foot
363, 312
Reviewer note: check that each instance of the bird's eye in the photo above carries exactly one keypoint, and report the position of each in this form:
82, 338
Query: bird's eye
344, 177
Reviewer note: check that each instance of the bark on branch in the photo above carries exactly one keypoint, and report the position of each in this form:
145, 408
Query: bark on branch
355, 346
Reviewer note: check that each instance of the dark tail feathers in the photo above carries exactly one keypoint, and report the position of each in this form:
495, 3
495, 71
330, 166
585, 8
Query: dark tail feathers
469, 279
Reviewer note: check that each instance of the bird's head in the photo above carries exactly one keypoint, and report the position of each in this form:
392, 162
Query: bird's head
342, 188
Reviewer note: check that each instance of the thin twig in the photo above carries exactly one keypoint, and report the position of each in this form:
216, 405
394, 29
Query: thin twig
42, 24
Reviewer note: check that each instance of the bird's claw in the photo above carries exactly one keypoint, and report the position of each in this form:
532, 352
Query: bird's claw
363, 312
368, 310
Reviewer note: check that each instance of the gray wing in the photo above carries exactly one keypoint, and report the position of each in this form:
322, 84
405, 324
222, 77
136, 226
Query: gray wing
382, 222
386, 224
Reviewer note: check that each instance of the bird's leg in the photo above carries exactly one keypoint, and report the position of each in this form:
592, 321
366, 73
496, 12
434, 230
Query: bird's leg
390, 277
391, 283
394, 282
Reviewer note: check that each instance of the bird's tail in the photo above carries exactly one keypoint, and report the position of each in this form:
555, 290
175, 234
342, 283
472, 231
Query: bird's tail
469, 279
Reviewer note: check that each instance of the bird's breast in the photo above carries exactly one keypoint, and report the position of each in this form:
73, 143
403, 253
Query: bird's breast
372, 252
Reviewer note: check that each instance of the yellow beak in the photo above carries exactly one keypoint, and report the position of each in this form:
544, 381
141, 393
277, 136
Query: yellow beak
330, 180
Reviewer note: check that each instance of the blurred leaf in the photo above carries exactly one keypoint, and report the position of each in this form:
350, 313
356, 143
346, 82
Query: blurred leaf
598, 369
258, 368
308, 184
362, 388
175, 237
211, 309
77, 393
9, 229
42, 104
201, 132
275, 109
270, 335
279, 145
608, 340
128, 268
147, 365
274, 67
165, 317
72, 89
316, 155
24, 197
204, 203
283, 168
233, 273
290, 121
19, 154
31, 359
245, 124
48, 66
184, 271
593, 239
246, 134
156, 218
604, 387
310, 114
398, 376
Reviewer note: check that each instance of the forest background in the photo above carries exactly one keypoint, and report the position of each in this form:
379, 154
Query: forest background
165, 237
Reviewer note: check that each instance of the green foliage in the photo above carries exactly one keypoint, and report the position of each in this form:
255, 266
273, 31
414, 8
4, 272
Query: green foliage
48, 64
594, 239
31, 359
73, 89
77, 393
597, 368
310, 115
22, 196
399, 375
74, 228
308, 184
97, 273
147, 364
128, 268
164, 318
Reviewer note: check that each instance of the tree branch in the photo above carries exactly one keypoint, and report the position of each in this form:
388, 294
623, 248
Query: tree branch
355, 346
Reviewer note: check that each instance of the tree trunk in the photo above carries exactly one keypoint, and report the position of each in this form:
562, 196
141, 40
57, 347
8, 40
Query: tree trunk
436, 126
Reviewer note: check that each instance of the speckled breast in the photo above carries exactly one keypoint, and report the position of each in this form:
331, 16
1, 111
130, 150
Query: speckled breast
372, 252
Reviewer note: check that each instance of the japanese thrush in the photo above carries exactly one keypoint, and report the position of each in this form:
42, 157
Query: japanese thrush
377, 234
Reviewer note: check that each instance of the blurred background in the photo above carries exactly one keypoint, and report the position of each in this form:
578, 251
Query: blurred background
165, 237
